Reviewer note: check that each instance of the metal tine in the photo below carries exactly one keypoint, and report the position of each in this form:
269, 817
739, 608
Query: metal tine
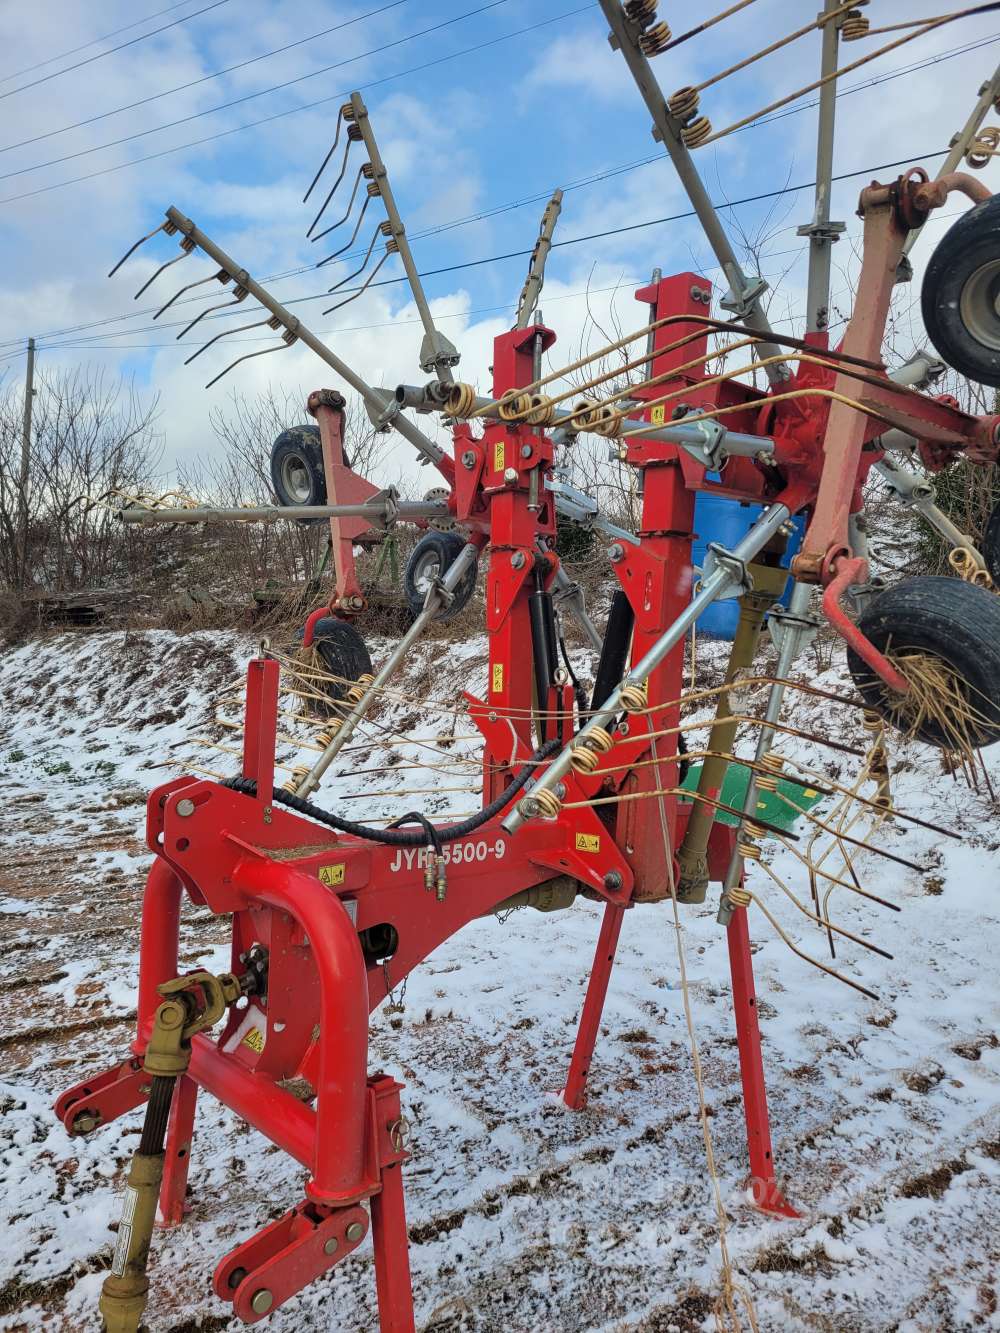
354, 235
362, 289
166, 226
330, 153
272, 321
188, 247
353, 136
287, 339
222, 276
354, 194
240, 293
383, 229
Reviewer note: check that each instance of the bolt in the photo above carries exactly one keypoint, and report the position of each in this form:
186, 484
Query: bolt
528, 807
185, 808
354, 1231
561, 790
616, 553
86, 1122
331, 1246
517, 560
145, 1089
525, 450
262, 1301
267, 814
612, 880
510, 476
469, 459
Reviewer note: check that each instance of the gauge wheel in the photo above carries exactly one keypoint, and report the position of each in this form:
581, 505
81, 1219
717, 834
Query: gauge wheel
943, 635
430, 559
342, 652
297, 472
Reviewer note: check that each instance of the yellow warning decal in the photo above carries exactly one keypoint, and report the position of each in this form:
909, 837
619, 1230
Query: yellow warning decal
254, 1039
496, 684
588, 842
332, 874
658, 415
498, 449
809, 792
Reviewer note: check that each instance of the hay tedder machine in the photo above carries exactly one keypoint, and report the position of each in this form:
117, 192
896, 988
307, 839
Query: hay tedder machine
580, 795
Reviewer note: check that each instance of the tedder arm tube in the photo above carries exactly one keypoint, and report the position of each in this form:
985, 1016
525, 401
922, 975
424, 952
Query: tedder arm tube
450, 580
405, 510
406, 428
667, 129
717, 582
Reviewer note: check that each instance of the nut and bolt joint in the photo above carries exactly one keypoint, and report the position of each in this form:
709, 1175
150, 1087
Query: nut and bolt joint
613, 880
510, 476
185, 807
518, 560
469, 459
616, 553
354, 1232
261, 1301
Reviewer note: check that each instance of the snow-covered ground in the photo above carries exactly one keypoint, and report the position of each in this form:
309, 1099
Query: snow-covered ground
523, 1216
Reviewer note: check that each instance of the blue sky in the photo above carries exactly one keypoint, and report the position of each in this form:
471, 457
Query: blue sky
503, 121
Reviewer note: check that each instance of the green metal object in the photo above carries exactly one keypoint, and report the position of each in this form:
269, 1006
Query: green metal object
770, 806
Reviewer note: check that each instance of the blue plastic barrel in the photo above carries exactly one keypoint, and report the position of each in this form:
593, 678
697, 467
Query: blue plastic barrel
718, 519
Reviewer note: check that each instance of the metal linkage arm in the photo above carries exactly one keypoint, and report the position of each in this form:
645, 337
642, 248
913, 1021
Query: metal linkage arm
723, 570
437, 596
382, 515
532, 288
744, 293
436, 352
377, 403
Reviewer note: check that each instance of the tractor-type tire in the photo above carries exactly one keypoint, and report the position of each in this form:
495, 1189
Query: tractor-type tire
991, 545
297, 472
430, 559
342, 652
960, 299
944, 618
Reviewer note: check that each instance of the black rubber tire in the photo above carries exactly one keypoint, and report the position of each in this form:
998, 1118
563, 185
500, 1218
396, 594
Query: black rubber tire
432, 556
950, 619
991, 545
297, 472
960, 292
343, 652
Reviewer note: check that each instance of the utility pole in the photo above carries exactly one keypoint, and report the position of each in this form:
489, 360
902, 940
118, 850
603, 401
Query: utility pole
22, 480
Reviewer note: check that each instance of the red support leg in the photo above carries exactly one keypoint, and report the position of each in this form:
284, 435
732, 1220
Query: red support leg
392, 1255
574, 1094
177, 1153
766, 1194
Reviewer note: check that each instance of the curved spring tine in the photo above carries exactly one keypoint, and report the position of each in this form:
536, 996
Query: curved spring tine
222, 276
354, 234
333, 226
333, 187
166, 226
323, 164
364, 286
239, 294
364, 263
272, 321
187, 248
287, 341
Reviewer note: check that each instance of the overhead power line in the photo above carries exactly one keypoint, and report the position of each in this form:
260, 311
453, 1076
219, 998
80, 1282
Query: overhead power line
250, 97
94, 41
45, 78
512, 254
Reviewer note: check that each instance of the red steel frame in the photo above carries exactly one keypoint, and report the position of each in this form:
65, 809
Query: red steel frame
308, 895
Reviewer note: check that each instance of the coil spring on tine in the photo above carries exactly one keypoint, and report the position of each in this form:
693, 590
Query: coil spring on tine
739, 897
460, 401
354, 133
871, 721
683, 106
854, 26
584, 759
640, 11
655, 39
347, 111
633, 698
582, 411
548, 803
373, 189
298, 773
513, 405
542, 412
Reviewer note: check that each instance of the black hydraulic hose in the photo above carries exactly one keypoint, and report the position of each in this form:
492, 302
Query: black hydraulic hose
430, 832
614, 652
400, 837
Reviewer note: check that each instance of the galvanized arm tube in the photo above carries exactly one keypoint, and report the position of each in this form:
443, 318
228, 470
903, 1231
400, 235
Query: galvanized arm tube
465, 559
406, 511
718, 581
744, 300
406, 428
